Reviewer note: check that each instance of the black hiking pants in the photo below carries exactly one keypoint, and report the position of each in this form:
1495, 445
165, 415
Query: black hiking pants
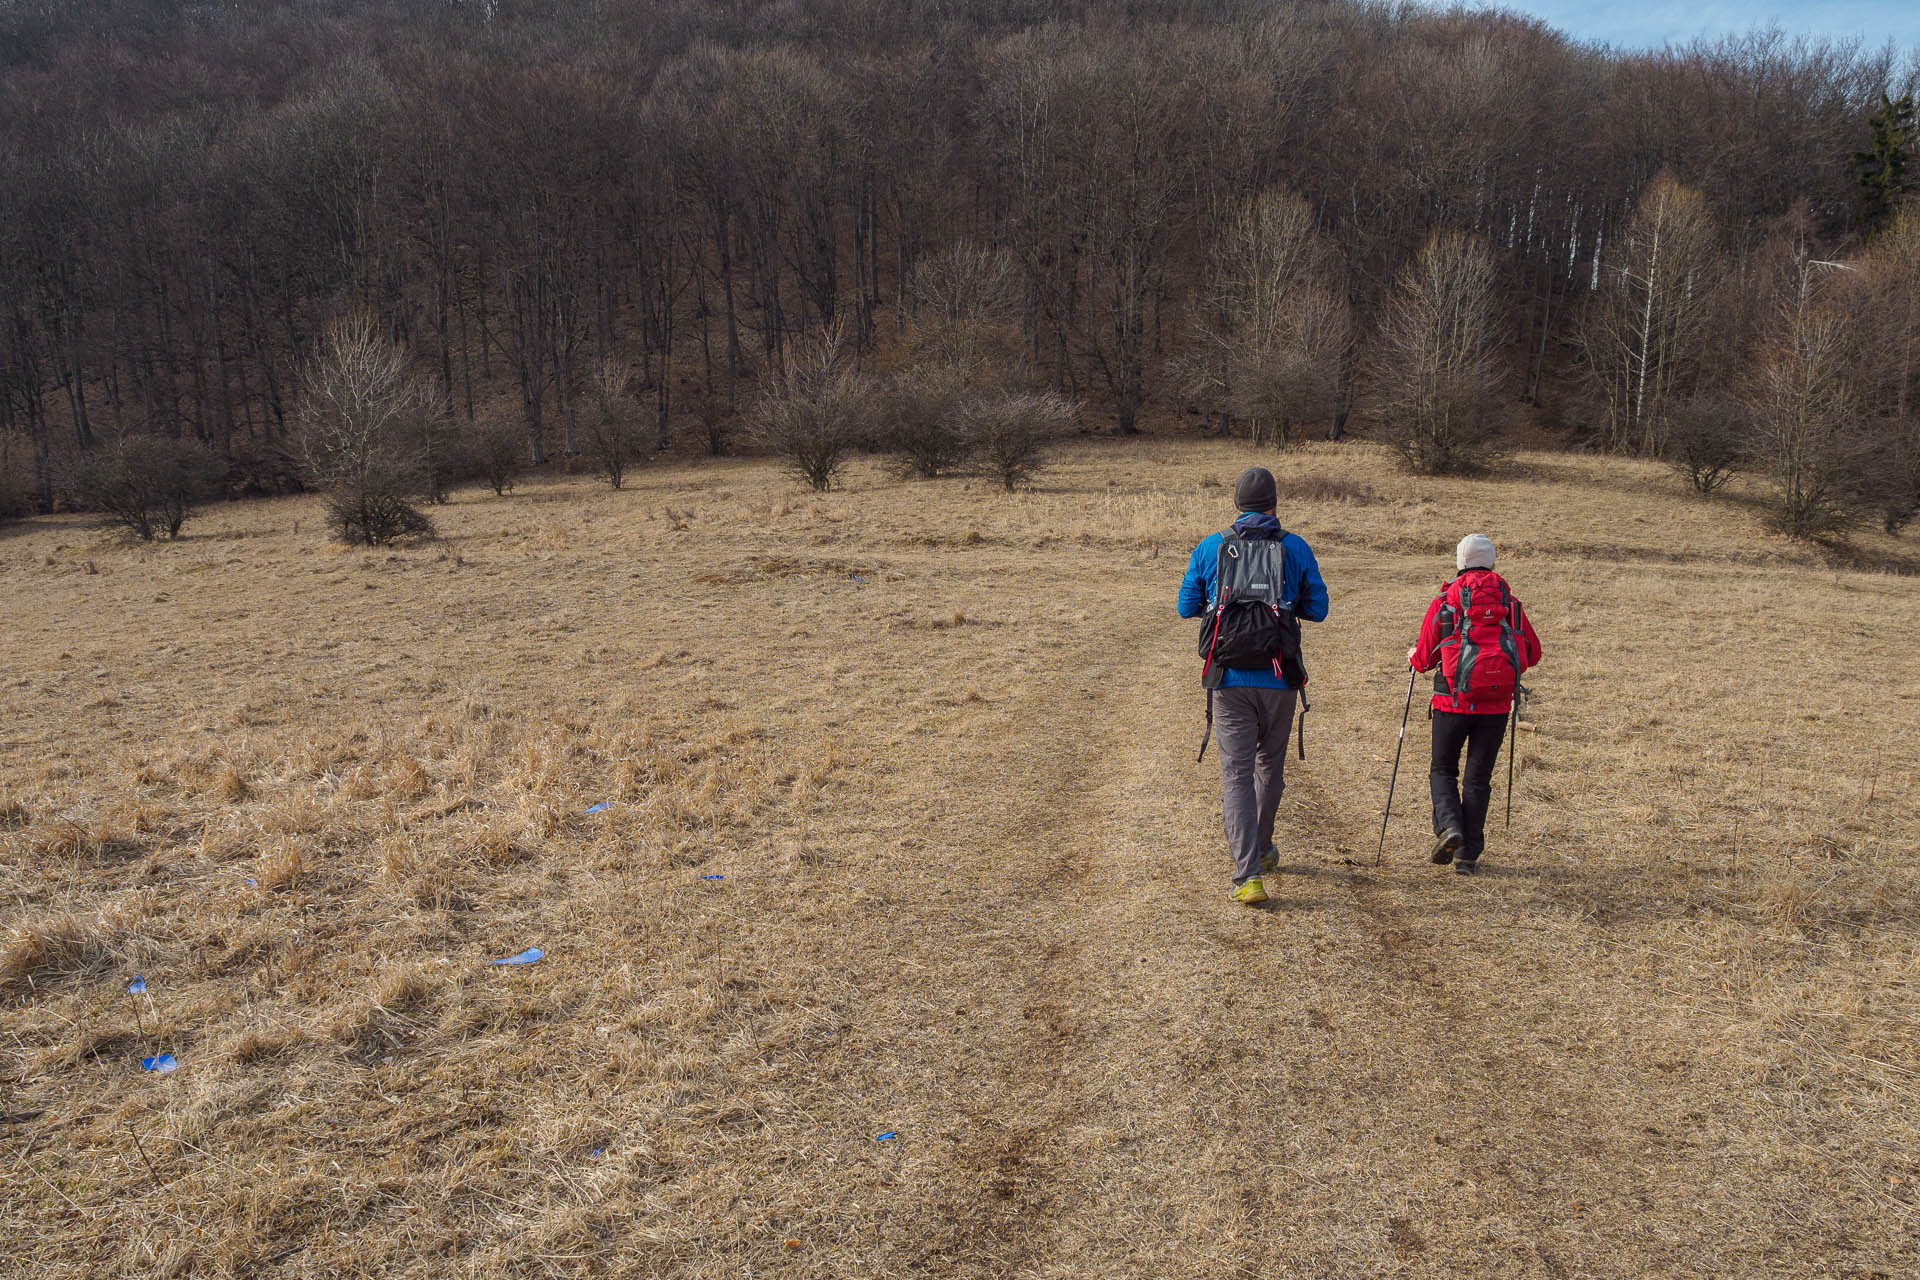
1458, 804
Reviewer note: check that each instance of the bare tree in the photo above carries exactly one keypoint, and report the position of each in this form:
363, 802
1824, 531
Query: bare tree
1810, 432
1436, 363
964, 310
1646, 336
1273, 330
358, 423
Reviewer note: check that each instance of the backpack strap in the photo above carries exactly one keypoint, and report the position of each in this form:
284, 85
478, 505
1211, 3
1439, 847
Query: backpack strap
1510, 640
1469, 651
1449, 622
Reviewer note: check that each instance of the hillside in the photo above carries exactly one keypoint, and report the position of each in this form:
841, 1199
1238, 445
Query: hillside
905, 836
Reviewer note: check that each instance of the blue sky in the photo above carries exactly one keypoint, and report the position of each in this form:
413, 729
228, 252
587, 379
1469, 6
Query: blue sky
1652, 24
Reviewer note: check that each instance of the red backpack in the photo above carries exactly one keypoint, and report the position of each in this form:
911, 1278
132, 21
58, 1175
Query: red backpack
1479, 640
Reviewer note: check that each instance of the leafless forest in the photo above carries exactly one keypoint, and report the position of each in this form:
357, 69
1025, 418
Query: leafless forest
1274, 220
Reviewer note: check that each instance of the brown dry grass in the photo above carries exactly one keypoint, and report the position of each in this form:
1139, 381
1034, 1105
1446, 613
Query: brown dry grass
938, 741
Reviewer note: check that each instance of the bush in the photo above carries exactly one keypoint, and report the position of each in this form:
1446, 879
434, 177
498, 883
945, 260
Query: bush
498, 446
1278, 390
445, 456
816, 414
1707, 439
16, 499
615, 440
1897, 490
375, 517
1009, 431
920, 421
360, 424
1453, 431
147, 485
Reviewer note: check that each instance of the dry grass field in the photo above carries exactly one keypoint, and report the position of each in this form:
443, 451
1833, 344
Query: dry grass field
906, 836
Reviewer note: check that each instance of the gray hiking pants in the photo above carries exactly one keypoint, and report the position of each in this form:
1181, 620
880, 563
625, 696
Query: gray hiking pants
1252, 727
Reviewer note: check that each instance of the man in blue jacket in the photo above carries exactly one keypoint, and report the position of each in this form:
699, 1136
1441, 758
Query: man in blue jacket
1253, 706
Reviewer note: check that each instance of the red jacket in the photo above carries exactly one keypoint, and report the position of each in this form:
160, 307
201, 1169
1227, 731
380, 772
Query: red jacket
1427, 653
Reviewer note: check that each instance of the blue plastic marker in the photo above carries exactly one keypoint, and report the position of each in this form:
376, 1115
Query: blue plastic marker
602, 807
138, 987
159, 1063
713, 877
525, 957
882, 1137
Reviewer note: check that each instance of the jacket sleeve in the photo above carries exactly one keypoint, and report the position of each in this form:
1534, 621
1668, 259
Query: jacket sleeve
1193, 587
1426, 651
1310, 595
1529, 642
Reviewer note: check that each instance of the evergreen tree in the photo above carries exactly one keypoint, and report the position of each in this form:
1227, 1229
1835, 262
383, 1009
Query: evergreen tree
1882, 171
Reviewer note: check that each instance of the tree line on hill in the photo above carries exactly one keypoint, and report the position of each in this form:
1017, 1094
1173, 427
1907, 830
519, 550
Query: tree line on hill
591, 230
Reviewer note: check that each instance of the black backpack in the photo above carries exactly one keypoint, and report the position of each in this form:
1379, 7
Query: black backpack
1252, 624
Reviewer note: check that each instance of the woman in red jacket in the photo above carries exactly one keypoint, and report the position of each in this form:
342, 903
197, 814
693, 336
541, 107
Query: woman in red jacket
1477, 641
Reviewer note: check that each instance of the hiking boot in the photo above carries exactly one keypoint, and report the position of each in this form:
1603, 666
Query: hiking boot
1250, 893
1443, 848
1466, 866
1270, 860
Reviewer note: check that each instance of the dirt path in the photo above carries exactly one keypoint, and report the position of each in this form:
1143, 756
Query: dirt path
1136, 1078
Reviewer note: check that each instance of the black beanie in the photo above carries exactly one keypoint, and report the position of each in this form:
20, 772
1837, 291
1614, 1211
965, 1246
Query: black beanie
1254, 490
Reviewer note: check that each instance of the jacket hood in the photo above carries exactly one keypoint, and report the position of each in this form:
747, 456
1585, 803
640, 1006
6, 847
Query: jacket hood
1257, 520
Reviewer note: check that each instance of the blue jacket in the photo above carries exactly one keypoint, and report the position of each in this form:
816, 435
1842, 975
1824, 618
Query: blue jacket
1301, 575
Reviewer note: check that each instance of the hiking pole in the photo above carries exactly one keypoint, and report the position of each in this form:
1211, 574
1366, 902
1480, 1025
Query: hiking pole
1207, 670
1412, 675
1513, 744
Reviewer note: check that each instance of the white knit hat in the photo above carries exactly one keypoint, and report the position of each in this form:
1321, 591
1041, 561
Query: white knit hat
1474, 552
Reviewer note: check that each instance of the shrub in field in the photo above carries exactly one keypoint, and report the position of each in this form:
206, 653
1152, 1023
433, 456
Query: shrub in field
1707, 441
498, 445
615, 438
445, 456
376, 517
1900, 491
918, 417
147, 485
1009, 431
816, 413
16, 497
360, 422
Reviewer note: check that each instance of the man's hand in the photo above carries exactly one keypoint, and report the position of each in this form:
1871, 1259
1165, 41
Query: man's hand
1410, 652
